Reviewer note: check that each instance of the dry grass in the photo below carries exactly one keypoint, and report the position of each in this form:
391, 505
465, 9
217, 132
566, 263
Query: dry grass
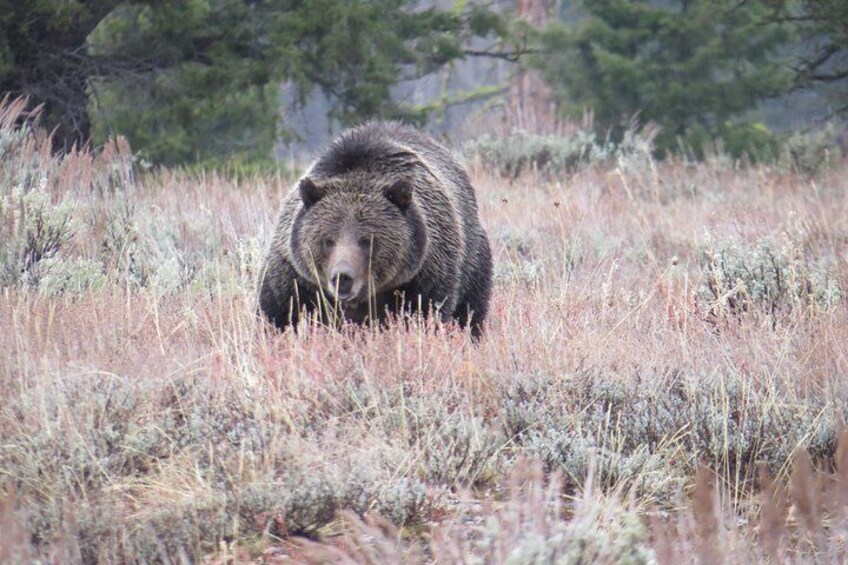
634, 398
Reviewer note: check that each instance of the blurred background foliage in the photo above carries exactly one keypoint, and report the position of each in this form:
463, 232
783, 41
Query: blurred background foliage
218, 82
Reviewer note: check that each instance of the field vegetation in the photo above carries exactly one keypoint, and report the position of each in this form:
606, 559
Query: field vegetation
664, 376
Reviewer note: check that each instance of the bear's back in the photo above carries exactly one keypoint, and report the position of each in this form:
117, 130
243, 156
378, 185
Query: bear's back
377, 146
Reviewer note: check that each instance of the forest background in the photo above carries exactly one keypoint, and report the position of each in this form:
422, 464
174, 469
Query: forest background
226, 81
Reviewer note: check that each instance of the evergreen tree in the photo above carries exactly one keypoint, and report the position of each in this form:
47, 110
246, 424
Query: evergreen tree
44, 56
690, 66
822, 61
199, 79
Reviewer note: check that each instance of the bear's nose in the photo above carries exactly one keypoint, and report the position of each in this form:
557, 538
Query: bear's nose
342, 284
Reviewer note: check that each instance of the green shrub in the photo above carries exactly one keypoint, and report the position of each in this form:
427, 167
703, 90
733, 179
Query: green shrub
753, 141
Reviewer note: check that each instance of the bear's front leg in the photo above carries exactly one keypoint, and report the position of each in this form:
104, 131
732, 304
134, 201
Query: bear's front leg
282, 293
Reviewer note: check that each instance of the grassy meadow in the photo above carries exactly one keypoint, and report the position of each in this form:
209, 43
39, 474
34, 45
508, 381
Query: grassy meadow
663, 378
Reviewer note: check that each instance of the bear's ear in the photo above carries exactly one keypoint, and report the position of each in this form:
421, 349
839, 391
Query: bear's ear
310, 193
400, 194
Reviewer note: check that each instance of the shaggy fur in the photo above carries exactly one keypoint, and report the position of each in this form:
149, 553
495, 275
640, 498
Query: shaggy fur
384, 222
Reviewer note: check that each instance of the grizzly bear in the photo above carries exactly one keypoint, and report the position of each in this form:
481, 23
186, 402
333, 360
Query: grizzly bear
383, 223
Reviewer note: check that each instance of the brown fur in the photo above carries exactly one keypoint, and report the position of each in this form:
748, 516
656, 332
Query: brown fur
384, 220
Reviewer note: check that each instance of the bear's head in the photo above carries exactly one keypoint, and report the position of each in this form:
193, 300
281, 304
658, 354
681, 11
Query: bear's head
358, 235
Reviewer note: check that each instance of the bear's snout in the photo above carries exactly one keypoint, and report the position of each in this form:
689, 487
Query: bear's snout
342, 283
346, 273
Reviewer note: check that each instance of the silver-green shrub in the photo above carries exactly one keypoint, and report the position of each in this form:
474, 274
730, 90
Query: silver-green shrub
523, 152
33, 228
771, 279
811, 152
556, 155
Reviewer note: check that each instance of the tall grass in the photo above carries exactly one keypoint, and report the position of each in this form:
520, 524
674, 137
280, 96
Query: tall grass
644, 390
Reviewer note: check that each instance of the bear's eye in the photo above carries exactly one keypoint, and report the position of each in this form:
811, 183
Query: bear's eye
365, 242
327, 243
